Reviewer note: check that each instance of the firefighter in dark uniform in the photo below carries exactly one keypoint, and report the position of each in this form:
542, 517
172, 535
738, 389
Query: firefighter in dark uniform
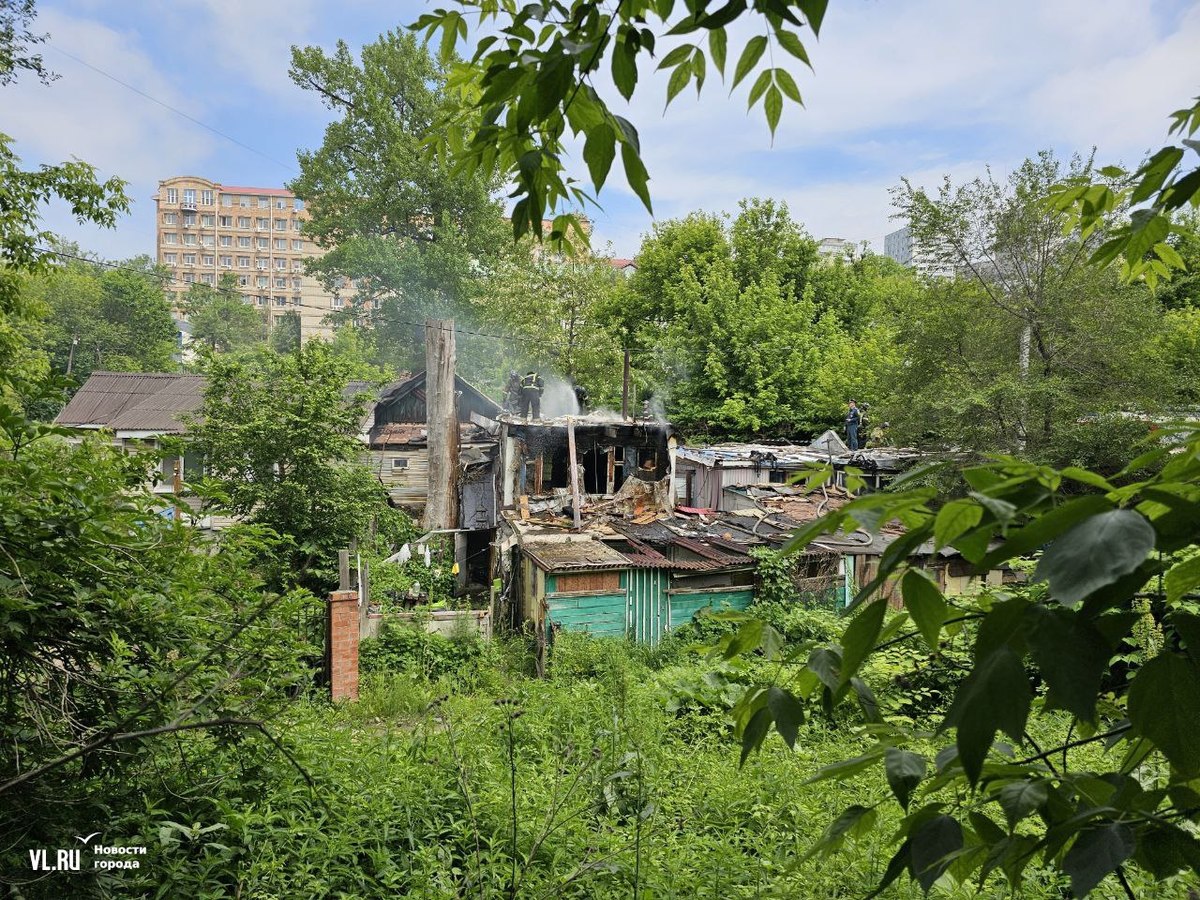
532, 387
512, 393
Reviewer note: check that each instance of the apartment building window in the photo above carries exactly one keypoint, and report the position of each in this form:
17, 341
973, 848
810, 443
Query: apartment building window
227, 240
189, 259
189, 196
206, 198
189, 240
227, 199
189, 219
172, 195
189, 278
281, 301
338, 302
244, 241
280, 243
208, 277
170, 218
295, 224
297, 204
297, 244
243, 262
261, 262
170, 238
260, 299
263, 243
296, 283
281, 264
280, 203
296, 300
208, 220
262, 281
169, 258
243, 221
208, 260
264, 202
281, 283
225, 221
281, 224
375, 304
263, 224
297, 266
243, 281
227, 262
208, 240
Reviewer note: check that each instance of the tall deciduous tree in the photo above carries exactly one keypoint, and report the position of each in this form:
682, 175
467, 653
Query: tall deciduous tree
1013, 349
404, 227
279, 439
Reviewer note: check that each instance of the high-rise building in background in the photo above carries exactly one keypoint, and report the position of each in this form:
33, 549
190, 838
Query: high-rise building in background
206, 229
899, 246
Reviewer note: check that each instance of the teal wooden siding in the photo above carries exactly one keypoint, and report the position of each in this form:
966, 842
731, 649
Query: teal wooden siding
648, 615
686, 605
595, 612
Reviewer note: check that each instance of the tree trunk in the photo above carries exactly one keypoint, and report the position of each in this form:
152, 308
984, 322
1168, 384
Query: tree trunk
441, 503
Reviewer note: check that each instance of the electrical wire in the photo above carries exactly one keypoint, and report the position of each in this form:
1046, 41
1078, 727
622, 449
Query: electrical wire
178, 112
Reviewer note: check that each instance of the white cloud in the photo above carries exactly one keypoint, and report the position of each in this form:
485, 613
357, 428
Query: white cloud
87, 116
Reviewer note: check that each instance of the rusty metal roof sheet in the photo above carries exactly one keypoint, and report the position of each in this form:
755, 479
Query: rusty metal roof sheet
135, 401
585, 553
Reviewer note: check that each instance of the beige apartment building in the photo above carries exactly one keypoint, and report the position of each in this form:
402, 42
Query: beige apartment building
206, 230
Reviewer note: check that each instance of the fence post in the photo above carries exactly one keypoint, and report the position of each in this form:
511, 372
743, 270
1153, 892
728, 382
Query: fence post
343, 645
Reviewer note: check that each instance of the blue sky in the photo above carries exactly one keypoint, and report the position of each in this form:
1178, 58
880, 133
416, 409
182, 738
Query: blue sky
916, 88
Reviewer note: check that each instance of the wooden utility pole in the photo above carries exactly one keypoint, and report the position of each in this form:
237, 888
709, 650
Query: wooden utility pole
625, 388
441, 500
575, 504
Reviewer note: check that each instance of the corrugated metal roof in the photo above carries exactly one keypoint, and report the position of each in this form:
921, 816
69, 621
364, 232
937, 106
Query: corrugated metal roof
134, 401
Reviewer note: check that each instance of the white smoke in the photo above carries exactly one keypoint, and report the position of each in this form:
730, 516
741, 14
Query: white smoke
559, 398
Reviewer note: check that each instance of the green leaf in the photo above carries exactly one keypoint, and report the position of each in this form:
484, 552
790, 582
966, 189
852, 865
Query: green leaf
1169, 255
1045, 528
895, 868
826, 665
788, 85
995, 696
1072, 656
904, 772
1163, 850
1095, 553
679, 79
925, 604
1096, 853
1164, 707
624, 69
750, 56
760, 87
754, 733
847, 767
814, 12
955, 518
1181, 578
1021, 798
676, 56
932, 843
792, 44
859, 638
717, 44
854, 820
636, 175
787, 713
599, 150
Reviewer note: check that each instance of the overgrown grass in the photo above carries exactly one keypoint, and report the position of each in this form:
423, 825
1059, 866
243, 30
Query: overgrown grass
459, 775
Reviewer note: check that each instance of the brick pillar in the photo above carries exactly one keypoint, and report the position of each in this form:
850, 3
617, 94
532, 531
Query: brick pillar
343, 645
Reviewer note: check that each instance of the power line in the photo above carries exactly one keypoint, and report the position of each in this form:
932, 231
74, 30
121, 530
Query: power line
178, 112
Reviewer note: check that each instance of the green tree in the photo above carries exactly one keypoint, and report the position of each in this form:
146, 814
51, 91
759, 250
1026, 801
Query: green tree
1008, 354
16, 42
279, 439
285, 333
553, 308
405, 228
221, 318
